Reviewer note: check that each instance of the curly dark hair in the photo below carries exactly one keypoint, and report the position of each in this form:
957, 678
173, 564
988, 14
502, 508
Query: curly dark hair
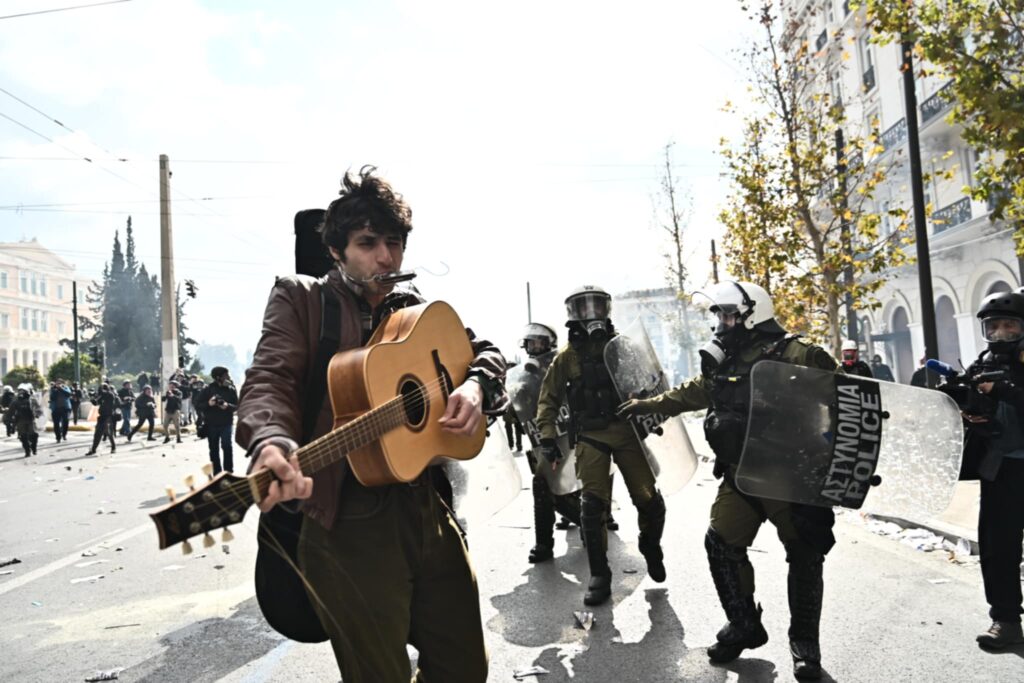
365, 201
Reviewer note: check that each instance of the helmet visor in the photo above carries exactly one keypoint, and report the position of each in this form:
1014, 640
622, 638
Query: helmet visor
1002, 328
589, 307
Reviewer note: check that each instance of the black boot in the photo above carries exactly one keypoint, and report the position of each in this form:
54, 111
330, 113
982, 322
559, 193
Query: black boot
652, 518
592, 511
806, 589
33, 441
744, 630
611, 524
543, 521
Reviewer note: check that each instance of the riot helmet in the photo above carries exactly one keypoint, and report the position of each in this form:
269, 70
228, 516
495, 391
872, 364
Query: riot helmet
589, 309
8, 389
1002, 321
538, 339
739, 308
849, 352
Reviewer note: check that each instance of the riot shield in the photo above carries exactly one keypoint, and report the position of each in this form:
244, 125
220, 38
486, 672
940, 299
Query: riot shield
44, 416
523, 385
636, 373
485, 484
821, 438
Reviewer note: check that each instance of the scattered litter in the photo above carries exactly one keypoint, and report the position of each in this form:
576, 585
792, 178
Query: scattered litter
89, 553
629, 571
6, 572
9, 561
101, 511
67, 467
584, 619
88, 579
118, 549
107, 628
226, 548
83, 565
36, 603
89, 477
218, 566
199, 556
936, 582
173, 567
963, 549
111, 675
51, 540
532, 671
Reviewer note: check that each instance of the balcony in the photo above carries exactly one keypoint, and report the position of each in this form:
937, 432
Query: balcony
895, 135
951, 216
937, 104
869, 79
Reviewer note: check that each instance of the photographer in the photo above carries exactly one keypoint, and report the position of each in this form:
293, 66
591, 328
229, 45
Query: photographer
109, 413
219, 400
172, 411
127, 398
991, 396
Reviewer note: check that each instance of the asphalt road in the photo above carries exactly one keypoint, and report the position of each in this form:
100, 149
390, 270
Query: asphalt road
93, 593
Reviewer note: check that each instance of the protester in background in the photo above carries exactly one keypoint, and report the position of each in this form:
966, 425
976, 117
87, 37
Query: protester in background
127, 397
921, 376
196, 387
145, 410
172, 412
107, 402
60, 409
880, 370
76, 401
852, 364
6, 399
219, 401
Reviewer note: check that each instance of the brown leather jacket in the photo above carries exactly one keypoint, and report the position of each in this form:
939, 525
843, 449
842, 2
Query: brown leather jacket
270, 406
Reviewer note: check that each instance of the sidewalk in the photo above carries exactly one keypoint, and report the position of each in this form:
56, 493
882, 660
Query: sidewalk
960, 520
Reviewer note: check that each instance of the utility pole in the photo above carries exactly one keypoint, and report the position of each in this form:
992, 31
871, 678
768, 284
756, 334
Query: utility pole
529, 308
714, 263
74, 322
168, 305
924, 265
844, 237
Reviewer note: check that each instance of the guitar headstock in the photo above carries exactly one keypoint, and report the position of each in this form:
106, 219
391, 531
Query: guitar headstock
217, 504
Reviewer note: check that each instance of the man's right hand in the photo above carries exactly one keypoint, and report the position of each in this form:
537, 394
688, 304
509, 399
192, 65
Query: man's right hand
550, 450
289, 483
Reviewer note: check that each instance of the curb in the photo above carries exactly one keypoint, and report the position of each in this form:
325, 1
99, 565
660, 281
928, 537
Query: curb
949, 531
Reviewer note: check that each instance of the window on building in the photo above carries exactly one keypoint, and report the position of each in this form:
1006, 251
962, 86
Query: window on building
60, 292
35, 284
35, 359
5, 321
830, 11
3, 279
867, 63
42, 285
35, 321
24, 282
835, 82
61, 325
24, 318
44, 321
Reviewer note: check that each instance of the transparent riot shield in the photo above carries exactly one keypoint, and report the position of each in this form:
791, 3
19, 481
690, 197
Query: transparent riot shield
636, 373
826, 439
44, 415
523, 385
485, 484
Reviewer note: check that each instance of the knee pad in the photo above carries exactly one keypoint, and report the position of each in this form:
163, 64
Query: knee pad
718, 549
803, 557
655, 507
591, 505
540, 486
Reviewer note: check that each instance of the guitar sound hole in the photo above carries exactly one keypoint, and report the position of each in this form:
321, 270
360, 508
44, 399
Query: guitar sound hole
415, 403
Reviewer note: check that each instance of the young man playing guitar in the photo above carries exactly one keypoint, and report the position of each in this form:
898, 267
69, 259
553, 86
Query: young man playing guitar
384, 565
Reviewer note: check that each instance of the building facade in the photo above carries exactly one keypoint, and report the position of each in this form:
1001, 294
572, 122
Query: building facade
971, 256
662, 314
35, 305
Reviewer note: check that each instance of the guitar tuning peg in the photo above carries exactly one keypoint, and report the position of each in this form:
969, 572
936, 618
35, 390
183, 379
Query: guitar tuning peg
208, 470
190, 482
208, 541
186, 548
227, 536
170, 494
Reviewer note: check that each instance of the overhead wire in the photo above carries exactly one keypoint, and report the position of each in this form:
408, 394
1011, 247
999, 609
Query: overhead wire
62, 9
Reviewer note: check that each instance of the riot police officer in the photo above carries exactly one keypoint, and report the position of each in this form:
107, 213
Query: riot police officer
747, 333
994, 453
852, 364
540, 342
578, 375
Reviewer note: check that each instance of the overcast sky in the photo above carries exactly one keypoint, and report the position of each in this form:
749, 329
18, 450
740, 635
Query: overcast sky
526, 137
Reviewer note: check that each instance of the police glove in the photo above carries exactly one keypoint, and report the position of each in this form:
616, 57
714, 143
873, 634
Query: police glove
634, 406
550, 450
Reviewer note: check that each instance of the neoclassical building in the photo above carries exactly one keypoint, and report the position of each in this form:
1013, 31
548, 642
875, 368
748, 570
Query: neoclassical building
971, 256
35, 305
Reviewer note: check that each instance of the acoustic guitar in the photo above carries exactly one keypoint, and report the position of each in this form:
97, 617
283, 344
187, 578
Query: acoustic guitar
386, 398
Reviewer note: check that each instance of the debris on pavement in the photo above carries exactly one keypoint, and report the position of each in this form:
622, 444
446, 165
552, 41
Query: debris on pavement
226, 549
111, 675
629, 571
108, 628
89, 553
585, 620
36, 603
532, 671
6, 572
83, 565
936, 582
88, 579
9, 561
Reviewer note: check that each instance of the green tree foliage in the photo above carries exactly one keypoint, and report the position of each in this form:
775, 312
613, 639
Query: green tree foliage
65, 369
25, 373
127, 301
979, 46
787, 214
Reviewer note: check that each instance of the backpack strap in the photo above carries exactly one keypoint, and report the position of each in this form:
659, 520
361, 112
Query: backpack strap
327, 346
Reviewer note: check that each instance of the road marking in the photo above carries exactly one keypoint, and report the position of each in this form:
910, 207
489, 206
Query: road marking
65, 561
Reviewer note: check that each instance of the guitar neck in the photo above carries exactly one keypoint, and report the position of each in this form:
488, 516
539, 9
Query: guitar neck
336, 445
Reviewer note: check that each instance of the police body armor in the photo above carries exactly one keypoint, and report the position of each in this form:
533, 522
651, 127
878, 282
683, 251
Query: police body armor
592, 397
725, 426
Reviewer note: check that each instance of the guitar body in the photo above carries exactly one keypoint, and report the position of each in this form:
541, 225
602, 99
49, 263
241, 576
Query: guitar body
421, 353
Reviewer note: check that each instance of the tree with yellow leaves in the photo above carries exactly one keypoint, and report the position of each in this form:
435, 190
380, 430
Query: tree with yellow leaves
798, 221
